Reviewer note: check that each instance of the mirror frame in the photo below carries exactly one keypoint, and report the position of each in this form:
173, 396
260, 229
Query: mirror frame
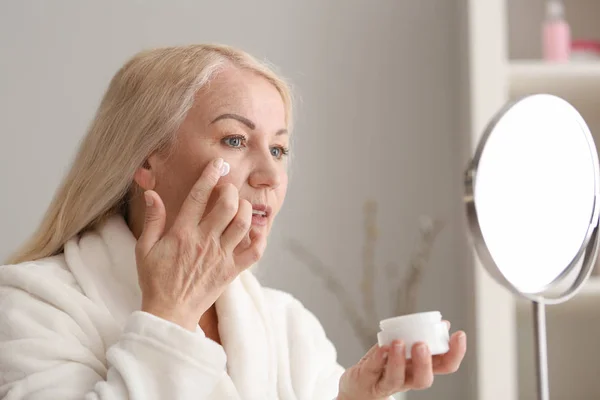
589, 247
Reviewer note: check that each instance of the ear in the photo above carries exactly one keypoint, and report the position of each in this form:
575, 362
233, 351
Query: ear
145, 176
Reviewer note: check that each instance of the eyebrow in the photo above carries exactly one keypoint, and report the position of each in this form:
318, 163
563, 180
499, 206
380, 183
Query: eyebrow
244, 121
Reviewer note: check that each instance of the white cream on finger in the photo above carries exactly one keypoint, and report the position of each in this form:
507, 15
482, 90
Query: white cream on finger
225, 168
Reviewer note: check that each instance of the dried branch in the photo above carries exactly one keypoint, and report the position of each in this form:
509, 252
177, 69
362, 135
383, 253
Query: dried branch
392, 271
368, 282
404, 292
365, 332
406, 300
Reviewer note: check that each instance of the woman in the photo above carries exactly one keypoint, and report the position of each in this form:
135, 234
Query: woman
135, 284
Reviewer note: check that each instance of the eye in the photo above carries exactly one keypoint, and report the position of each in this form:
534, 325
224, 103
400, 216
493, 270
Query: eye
234, 141
278, 152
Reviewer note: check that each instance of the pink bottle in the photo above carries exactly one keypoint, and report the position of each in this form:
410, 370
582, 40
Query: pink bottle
556, 34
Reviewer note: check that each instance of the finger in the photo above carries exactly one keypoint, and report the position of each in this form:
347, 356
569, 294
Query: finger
374, 362
450, 362
249, 256
395, 370
195, 203
154, 223
239, 227
422, 369
369, 354
244, 244
224, 211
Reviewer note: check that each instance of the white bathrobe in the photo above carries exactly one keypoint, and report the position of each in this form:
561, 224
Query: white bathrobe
70, 328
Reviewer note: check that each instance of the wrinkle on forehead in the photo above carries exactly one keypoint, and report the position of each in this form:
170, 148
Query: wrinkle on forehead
241, 92
222, 94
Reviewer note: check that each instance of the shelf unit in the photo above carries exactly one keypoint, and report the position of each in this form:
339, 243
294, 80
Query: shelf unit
589, 295
577, 82
574, 326
502, 52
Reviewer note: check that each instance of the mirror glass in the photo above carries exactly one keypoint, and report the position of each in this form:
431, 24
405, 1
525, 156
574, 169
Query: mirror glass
534, 191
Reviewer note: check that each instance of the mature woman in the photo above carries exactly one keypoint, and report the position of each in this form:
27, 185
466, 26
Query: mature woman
135, 285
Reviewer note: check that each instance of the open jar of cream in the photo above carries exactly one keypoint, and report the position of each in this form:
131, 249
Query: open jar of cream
426, 327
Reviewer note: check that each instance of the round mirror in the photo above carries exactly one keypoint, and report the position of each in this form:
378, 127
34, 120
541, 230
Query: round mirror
531, 194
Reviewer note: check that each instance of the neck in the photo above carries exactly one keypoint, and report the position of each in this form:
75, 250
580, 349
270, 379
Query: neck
135, 215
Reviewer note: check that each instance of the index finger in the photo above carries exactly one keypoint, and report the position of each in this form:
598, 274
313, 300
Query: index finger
196, 201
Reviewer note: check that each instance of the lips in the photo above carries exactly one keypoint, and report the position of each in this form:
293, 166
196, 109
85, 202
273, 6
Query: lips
260, 214
262, 210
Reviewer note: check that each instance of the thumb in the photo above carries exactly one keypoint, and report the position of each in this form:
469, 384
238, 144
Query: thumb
154, 222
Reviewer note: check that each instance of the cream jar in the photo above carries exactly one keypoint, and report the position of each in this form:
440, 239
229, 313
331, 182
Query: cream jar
426, 327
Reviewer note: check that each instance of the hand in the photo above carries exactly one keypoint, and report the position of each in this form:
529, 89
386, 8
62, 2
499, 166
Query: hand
183, 271
385, 371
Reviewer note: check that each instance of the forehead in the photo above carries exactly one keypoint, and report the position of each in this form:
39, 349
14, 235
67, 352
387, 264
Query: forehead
241, 92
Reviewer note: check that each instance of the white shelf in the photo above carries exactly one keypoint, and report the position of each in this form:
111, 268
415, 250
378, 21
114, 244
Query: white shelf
590, 289
588, 296
576, 82
572, 327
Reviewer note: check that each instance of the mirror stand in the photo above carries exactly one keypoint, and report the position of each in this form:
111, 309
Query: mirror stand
541, 349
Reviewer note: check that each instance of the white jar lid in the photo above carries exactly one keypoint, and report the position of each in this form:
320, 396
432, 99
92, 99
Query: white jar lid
430, 317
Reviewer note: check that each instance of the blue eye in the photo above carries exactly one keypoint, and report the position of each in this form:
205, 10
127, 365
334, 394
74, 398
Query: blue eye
234, 141
278, 152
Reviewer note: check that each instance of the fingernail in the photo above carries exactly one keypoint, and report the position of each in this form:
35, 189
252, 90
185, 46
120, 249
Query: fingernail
225, 168
149, 199
462, 337
399, 348
218, 163
422, 350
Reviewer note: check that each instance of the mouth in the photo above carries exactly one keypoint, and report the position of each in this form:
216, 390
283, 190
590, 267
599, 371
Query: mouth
260, 214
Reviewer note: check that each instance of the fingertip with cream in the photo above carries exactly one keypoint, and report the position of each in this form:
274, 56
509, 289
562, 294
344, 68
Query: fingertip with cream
225, 168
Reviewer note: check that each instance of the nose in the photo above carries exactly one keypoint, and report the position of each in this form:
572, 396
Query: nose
266, 174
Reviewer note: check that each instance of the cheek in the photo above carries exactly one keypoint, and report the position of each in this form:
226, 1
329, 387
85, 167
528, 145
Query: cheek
281, 191
236, 177
284, 184
173, 187
175, 180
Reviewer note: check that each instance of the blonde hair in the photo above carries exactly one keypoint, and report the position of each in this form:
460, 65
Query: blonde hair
140, 113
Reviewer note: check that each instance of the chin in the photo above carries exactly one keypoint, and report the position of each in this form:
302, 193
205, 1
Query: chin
261, 229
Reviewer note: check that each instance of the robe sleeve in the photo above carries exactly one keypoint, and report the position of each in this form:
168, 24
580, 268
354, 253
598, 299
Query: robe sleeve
52, 347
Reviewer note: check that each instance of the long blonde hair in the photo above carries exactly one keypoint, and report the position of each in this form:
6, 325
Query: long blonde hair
142, 109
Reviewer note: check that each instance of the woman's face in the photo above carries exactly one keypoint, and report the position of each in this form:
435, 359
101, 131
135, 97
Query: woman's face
240, 117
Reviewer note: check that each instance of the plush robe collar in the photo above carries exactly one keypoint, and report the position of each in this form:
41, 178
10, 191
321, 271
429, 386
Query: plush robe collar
103, 262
